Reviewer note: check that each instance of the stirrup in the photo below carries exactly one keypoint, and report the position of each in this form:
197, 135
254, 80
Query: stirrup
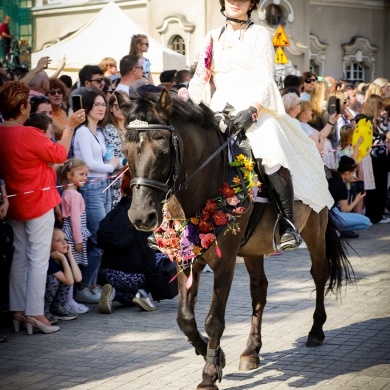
292, 243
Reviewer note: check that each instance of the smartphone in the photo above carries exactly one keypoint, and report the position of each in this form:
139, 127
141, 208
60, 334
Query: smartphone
334, 105
76, 103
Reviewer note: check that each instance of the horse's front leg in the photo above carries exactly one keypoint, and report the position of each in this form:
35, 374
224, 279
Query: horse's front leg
186, 311
249, 359
215, 323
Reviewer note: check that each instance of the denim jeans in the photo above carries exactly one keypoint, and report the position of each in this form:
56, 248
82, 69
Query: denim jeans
352, 221
97, 205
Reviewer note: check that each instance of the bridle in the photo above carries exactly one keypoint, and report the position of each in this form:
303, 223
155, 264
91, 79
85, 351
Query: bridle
176, 161
169, 187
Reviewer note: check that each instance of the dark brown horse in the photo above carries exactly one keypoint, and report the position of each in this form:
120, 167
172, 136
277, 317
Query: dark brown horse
177, 139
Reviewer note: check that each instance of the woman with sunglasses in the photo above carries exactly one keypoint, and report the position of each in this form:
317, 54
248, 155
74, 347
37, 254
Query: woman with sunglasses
240, 58
55, 95
89, 145
138, 46
309, 79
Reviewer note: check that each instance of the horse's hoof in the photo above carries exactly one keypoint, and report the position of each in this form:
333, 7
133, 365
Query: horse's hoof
249, 363
314, 341
206, 387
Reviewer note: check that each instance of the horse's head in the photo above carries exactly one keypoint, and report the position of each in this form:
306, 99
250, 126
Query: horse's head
152, 153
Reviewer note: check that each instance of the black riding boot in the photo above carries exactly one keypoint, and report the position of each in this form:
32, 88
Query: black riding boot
283, 194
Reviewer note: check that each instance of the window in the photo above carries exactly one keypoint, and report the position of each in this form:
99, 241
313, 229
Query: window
355, 73
177, 44
314, 68
273, 15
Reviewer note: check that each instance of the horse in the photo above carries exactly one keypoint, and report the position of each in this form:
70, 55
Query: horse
167, 142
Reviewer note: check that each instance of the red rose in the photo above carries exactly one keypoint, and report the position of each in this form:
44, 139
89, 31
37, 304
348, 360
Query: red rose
220, 218
205, 226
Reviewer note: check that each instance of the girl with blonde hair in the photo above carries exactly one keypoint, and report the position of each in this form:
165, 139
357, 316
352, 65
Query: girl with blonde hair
138, 46
318, 99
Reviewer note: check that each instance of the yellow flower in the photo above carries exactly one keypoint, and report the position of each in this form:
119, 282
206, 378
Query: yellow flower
197, 250
240, 157
249, 166
236, 180
194, 221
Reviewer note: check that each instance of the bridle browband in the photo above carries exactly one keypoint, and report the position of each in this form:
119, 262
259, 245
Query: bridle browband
175, 162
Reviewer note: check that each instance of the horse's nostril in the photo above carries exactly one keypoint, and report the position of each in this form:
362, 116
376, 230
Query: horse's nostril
151, 219
138, 223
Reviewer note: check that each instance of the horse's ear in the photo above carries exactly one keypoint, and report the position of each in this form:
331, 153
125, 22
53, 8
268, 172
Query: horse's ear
165, 102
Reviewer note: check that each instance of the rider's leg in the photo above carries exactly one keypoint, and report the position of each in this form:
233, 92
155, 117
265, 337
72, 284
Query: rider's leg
283, 193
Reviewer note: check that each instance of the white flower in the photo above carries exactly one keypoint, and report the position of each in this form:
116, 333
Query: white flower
183, 94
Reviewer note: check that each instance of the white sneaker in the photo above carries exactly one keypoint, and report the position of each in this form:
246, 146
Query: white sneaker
86, 296
144, 301
75, 307
384, 220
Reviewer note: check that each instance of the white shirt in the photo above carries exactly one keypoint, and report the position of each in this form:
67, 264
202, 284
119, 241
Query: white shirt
91, 150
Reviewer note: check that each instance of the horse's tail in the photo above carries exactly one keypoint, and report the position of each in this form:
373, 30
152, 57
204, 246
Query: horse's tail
339, 266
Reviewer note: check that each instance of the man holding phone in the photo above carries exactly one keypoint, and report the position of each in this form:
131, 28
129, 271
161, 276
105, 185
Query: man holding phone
90, 77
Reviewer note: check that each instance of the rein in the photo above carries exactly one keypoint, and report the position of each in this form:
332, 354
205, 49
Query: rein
176, 162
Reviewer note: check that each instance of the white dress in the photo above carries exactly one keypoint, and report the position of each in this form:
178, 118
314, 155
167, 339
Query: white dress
243, 74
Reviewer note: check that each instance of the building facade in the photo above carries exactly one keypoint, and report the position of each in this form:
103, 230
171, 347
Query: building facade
348, 39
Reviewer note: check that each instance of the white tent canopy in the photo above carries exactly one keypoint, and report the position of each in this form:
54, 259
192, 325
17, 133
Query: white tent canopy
93, 42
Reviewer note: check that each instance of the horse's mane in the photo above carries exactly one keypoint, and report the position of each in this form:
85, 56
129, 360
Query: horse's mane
186, 112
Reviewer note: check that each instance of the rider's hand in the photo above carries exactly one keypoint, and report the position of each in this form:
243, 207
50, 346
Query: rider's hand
244, 119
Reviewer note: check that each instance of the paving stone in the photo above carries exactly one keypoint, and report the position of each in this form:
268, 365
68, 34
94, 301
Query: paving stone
130, 349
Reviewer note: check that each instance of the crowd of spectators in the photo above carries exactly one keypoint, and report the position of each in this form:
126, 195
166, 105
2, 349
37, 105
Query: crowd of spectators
70, 163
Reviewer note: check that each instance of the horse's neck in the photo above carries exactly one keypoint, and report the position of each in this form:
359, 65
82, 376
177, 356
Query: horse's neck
198, 145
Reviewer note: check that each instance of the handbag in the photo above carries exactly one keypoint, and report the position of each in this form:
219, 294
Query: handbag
159, 278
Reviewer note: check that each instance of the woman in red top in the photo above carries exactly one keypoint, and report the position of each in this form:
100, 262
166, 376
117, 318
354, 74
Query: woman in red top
26, 159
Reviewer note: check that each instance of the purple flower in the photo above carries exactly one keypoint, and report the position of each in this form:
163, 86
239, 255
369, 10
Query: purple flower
190, 236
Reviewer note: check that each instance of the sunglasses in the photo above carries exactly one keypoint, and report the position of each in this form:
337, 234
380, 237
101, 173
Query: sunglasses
309, 81
100, 80
55, 92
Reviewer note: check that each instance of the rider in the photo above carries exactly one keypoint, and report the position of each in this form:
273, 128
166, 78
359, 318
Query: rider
240, 57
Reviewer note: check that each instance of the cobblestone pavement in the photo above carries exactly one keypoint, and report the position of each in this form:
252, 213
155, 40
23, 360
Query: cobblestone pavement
130, 349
